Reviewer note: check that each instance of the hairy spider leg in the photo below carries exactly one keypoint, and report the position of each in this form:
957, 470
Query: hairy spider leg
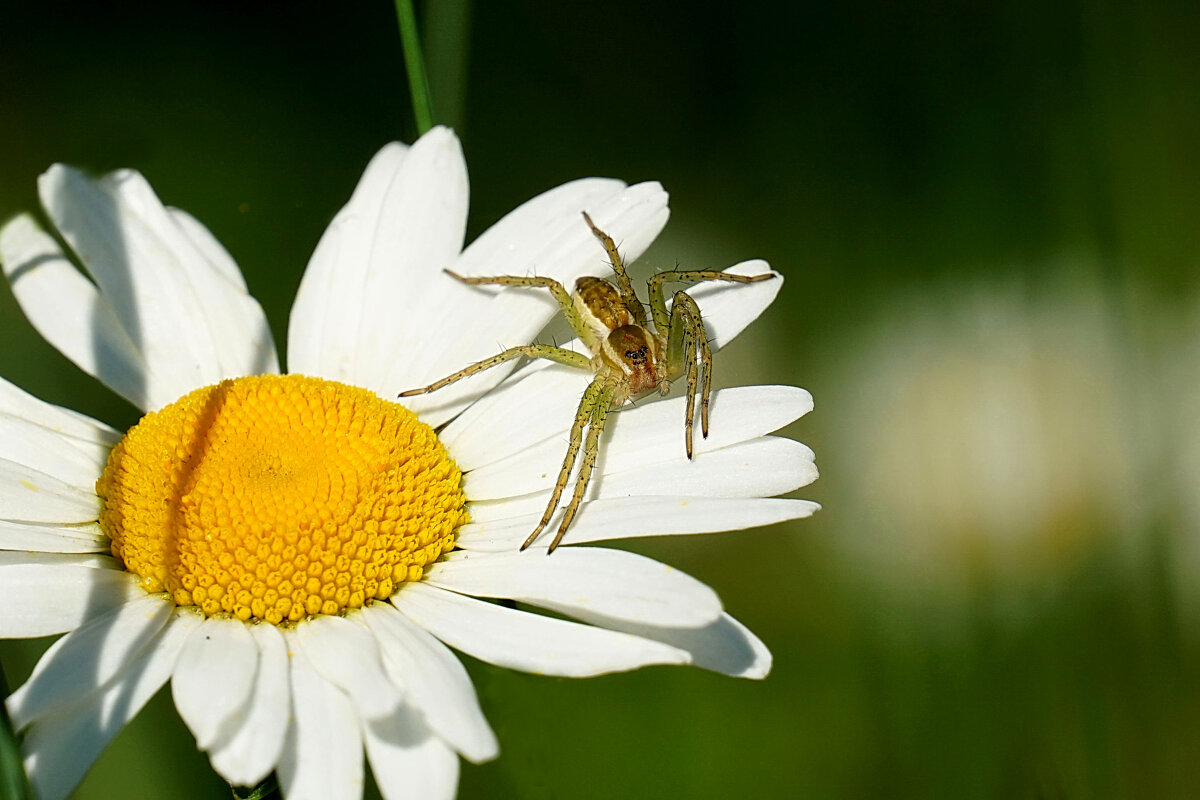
624, 286
688, 341
595, 390
687, 337
547, 351
561, 296
658, 303
591, 449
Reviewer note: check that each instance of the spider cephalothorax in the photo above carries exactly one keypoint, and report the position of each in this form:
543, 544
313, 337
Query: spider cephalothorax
629, 358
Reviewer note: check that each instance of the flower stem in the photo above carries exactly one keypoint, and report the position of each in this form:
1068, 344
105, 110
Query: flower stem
446, 33
414, 65
13, 782
267, 788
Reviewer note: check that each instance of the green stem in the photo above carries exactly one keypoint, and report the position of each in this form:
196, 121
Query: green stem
13, 782
418, 85
446, 32
264, 790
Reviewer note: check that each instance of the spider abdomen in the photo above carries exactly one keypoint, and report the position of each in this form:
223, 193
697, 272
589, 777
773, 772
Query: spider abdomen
601, 306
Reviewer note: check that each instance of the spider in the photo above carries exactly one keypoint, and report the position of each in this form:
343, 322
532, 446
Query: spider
628, 358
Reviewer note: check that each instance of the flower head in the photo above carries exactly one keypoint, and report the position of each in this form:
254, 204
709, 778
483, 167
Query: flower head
294, 552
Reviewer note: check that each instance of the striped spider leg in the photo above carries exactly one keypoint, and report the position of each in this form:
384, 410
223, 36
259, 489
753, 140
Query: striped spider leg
628, 357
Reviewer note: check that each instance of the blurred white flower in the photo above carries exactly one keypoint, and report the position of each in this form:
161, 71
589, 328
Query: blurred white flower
1178, 415
985, 434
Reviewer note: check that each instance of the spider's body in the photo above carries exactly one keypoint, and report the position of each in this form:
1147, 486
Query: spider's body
629, 358
620, 341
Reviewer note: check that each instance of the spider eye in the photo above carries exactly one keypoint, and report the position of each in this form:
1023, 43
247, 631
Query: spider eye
638, 356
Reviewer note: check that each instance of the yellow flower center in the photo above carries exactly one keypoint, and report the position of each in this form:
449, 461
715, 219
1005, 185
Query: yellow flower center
280, 496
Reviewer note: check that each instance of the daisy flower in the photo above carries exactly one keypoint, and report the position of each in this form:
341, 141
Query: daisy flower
294, 552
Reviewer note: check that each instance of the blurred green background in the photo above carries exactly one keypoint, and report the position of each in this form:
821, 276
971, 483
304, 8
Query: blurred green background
985, 213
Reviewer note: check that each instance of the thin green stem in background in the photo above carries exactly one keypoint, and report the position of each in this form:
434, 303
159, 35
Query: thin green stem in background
417, 84
261, 792
13, 783
446, 32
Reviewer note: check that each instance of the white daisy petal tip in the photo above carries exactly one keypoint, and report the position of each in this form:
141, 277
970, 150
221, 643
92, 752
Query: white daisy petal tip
435, 681
408, 760
18, 235
633, 517
529, 642
729, 308
724, 645
161, 314
596, 585
247, 755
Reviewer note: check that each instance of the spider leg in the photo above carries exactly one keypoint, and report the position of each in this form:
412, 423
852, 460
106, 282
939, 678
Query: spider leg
590, 450
688, 341
582, 414
658, 303
624, 286
559, 354
561, 296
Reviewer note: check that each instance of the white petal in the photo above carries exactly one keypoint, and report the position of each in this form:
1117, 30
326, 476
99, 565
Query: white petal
42, 537
69, 311
29, 495
564, 249
436, 682
97, 561
45, 599
214, 678
322, 758
377, 262
642, 434
592, 584
534, 406
649, 433
247, 756
627, 517
761, 467
238, 325
726, 646
191, 324
79, 427
322, 329
345, 654
211, 250
408, 760
44, 450
525, 641
62, 746
524, 241
87, 658
757, 468
542, 236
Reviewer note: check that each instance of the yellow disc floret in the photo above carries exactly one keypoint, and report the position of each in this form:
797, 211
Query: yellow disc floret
278, 497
